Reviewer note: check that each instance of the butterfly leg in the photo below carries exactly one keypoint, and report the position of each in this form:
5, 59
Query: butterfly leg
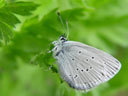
53, 43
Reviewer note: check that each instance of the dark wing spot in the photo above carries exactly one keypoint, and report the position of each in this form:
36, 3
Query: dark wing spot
99, 78
116, 68
87, 69
72, 59
77, 69
75, 76
92, 57
108, 76
89, 85
90, 67
79, 51
86, 59
82, 70
102, 74
112, 72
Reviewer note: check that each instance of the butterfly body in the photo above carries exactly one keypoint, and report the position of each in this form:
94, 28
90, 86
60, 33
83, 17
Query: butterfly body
83, 67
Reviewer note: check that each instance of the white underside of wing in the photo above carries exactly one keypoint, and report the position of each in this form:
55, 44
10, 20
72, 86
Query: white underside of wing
84, 67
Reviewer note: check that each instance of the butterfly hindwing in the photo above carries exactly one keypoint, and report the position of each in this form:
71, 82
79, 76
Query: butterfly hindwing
84, 67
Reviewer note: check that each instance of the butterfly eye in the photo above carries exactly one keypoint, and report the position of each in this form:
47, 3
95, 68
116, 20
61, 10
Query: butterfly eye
62, 38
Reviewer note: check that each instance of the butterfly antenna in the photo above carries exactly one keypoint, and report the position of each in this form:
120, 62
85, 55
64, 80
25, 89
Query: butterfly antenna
67, 28
58, 13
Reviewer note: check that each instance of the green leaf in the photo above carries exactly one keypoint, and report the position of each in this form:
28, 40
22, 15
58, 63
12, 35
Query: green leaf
2, 3
8, 20
71, 4
45, 61
21, 8
5, 31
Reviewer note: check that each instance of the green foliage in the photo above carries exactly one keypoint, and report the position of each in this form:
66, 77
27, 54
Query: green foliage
2, 3
8, 19
24, 61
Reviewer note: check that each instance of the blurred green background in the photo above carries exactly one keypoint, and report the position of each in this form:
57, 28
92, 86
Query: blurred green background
27, 28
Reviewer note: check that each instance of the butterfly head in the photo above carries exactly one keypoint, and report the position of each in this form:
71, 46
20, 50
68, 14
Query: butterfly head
62, 38
60, 41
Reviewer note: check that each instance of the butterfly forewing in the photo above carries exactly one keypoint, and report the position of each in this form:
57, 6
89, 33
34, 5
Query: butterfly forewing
84, 67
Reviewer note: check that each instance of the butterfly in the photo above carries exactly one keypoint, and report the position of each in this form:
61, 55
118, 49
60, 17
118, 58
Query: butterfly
83, 67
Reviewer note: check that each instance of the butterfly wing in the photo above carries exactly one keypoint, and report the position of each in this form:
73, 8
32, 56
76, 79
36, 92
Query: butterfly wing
84, 67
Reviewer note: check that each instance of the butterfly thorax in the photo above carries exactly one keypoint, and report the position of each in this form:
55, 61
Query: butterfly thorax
58, 45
